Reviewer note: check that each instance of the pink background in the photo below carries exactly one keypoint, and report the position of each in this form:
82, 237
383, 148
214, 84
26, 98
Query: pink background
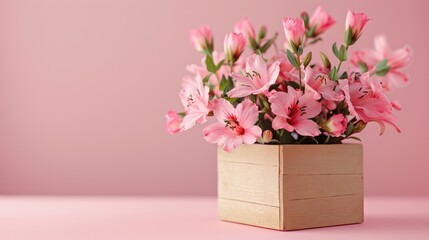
84, 86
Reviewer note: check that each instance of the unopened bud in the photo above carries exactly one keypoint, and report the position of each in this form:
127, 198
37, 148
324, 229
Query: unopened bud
267, 136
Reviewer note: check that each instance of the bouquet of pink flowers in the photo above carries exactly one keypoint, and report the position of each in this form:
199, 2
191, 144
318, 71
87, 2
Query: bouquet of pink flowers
286, 98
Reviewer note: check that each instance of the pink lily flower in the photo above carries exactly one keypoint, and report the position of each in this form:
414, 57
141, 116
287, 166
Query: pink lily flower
195, 98
202, 38
258, 78
235, 126
396, 60
321, 86
214, 79
321, 20
287, 71
367, 102
293, 111
355, 22
234, 45
174, 122
294, 30
245, 27
335, 125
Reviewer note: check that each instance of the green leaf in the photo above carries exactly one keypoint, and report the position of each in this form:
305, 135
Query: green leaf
310, 32
382, 68
262, 32
325, 60
182, 114
335, 49
307, 59
355, 138
300, 50
344, 75
348, 36
274, 86
206, 79
333, 74
306, 19
342, 54
219, 65
268, 44
253, 44
349, 129
315, 41
293, 84
226, 84
211, 67
292, 59
363, 67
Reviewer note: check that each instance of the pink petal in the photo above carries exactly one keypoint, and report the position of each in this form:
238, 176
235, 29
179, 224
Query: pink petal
280, 102
213, 133
400, 58
243, 80
306, 127
251, 134
273, 72
281, 123
381, 46
312, 107
241, 91
229, 143
247, 114
257, 63
222, 109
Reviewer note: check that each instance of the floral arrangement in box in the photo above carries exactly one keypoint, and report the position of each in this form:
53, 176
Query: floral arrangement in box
285, 98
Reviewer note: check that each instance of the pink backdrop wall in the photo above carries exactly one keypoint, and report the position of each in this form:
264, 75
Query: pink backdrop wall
84, 86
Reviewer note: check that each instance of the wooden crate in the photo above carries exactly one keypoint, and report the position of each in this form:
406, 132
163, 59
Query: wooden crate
290, 187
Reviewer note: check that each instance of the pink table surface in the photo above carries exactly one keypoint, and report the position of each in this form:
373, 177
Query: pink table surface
127, 218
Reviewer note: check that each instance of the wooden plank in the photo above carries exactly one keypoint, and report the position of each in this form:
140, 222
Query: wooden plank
321, 212
322, 159
256, 153
249, 213
249, 182
317, 186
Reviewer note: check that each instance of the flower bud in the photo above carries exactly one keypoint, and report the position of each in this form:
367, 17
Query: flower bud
262, 32
245, 27
359, 126
335, 125
174, 122
325, 60
202, 39
294, 30
234, 45
320, 21
355, 23
267, 136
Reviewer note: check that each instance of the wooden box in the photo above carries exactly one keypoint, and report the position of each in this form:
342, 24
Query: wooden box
290, 187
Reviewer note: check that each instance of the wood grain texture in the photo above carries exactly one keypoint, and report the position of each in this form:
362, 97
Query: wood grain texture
318, 186
249, 213
321, 212
289, 187
249, 182
322, 159
253, 154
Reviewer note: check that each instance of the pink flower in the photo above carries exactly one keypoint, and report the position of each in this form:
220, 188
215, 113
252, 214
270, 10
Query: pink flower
321, 86
235, 126
355, 22
245, 27
258, 78
321, 20
294, 30
174, 122
366, 101
396, 60
233, 45
293, 111
213, 79
195, 98
287, 71
335, 125
202, 38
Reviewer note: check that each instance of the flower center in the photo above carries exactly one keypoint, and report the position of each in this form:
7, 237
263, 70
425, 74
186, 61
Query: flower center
295, 111
233, 124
